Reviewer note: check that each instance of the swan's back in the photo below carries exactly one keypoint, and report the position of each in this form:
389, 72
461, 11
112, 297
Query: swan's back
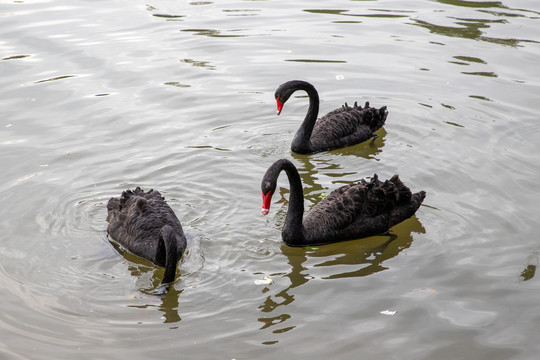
136, 219
362, 209
347, 126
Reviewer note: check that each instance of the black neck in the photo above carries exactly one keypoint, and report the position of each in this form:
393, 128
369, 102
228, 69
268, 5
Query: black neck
292, 232
301, 142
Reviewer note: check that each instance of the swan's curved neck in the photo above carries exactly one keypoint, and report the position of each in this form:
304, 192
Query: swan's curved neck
302, 142
293, 230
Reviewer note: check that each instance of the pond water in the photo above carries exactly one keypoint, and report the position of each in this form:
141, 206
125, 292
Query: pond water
101, 96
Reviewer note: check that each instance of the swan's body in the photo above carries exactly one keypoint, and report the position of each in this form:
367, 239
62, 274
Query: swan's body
144, 224
350, 212
340, 128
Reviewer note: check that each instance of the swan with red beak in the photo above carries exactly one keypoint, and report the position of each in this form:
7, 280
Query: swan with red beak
346, 126
354, 211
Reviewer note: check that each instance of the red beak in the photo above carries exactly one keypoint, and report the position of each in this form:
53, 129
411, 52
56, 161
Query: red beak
279, 106
267, 199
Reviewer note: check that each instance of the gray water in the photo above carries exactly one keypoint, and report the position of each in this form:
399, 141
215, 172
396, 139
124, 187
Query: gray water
100, 96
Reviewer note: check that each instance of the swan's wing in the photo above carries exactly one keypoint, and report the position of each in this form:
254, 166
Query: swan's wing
140, 215
349, 121
336, 211
349, 204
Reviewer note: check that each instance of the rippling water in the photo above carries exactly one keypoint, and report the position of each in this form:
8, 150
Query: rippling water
102, 96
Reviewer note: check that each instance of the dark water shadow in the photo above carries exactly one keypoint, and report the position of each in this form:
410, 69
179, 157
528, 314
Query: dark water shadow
169, 304
142, 268
213, 33
529, 271
474, 28
363, 257
317, 61
368, 149
375, 13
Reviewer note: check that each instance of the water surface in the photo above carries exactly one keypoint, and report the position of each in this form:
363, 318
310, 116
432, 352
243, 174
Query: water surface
102, 96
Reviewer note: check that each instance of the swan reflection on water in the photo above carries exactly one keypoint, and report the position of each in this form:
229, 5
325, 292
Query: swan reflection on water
349, 259
147, 273
148, 276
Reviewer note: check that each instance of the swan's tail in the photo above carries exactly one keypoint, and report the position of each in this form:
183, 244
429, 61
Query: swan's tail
167, 239
418, 198
382, 196
370, 116
392, 190
373, 117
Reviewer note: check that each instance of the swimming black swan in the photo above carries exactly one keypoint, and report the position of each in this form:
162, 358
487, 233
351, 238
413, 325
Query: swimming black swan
339, 128
144, 224
349, 212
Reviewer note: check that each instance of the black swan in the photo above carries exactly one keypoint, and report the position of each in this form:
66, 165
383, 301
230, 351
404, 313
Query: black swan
350, 212
339, 128
146, 225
